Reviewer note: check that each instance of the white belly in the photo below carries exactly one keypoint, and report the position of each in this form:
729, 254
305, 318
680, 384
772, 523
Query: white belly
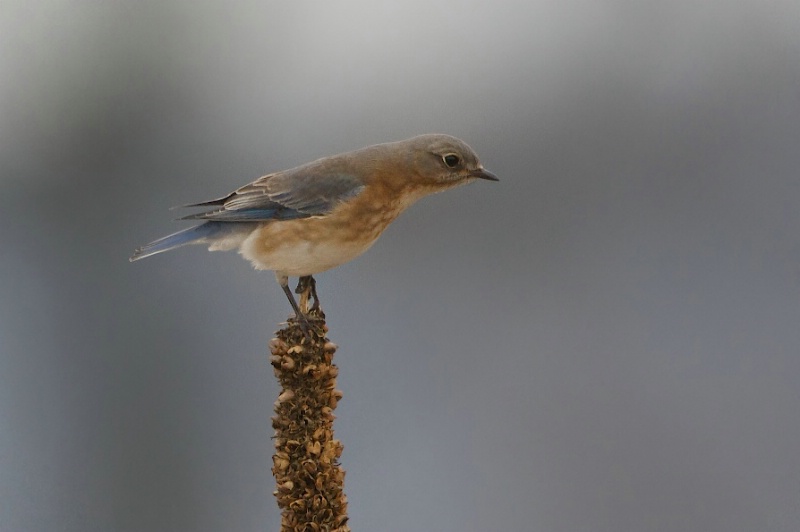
296, 249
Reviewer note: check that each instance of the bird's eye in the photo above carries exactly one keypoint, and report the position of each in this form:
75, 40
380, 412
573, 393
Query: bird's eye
451, 160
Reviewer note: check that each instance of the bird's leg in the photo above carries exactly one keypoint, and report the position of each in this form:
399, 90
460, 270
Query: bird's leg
300, 314
313, 281
302, 319
307, 288
304, 292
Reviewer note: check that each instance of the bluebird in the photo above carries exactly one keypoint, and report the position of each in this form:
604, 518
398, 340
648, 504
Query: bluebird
317, 216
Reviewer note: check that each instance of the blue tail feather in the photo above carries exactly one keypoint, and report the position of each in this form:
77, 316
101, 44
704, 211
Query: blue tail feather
193, 235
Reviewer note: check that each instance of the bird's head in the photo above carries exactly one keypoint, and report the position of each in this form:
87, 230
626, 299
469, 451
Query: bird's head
442, 161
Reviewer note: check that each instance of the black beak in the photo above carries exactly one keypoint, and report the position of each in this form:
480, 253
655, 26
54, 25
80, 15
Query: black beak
484, 174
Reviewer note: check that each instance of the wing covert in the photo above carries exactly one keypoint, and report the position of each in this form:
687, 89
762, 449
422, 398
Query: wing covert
283, 196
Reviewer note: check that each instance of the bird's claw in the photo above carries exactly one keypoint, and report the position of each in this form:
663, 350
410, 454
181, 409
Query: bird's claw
307, 289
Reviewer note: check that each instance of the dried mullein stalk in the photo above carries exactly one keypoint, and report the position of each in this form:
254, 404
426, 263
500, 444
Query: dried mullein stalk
306, 461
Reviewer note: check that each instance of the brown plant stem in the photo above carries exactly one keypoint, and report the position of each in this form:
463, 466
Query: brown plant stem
306, 461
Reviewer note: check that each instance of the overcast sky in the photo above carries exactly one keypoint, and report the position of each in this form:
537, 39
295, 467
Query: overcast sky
608, 339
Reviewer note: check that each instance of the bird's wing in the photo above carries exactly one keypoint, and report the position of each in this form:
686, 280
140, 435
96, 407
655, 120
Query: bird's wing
282, 196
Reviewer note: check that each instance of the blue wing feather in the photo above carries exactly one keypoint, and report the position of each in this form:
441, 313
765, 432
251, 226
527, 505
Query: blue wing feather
248, 215
282, 196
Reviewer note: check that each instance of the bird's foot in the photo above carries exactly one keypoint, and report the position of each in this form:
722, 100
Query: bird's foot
305, 317
307, 288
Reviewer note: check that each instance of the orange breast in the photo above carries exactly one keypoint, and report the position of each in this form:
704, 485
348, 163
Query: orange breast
315, 244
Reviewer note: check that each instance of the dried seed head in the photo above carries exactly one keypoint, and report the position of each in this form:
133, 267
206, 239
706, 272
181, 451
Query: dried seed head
276, 344
314, 447
308, 476
330, 347
287, 395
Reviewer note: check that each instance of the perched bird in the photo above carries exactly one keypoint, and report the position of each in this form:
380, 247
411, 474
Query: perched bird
309, 219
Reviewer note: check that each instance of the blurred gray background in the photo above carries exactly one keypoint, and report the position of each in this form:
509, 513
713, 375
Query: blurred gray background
606, 340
